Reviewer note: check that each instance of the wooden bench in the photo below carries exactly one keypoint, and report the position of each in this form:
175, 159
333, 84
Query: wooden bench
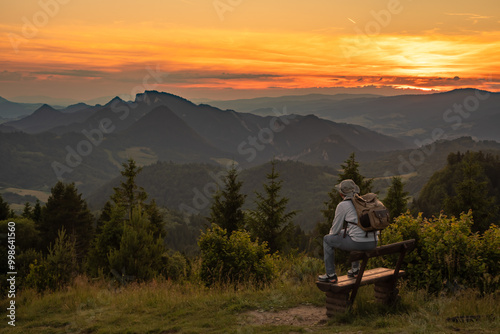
340, 296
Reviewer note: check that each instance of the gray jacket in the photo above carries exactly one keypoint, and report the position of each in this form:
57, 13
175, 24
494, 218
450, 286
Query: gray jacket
345, 212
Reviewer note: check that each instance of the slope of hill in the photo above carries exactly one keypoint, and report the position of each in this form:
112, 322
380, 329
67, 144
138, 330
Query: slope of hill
461, 112
46, 118
162, 131
416, 166
295, 104
189, 187
12, 110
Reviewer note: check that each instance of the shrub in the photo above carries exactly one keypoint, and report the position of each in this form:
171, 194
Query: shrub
57, 269
448, 255
175, 266
233, 259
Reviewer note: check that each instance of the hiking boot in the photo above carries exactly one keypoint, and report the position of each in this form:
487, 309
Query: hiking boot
353, 273
328, 278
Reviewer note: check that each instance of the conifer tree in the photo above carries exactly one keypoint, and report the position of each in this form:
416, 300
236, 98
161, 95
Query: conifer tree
269, 222
27, 211
226, 210
66, 209
155, 219
140, 253
116, 219
62, 258
471, 193
4, 209
107, 240
37, 212
396, 200
106, 214
129, 194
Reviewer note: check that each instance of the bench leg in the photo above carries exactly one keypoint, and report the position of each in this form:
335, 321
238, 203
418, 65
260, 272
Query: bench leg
386, 292
337, 303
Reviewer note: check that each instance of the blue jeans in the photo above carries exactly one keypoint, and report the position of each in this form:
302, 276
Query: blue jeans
331, 241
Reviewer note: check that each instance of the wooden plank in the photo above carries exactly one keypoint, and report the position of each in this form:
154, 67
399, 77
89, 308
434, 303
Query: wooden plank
383, 250
369, 277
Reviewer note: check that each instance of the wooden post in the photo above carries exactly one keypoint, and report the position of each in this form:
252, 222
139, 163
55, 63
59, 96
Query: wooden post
386, 292
337, 302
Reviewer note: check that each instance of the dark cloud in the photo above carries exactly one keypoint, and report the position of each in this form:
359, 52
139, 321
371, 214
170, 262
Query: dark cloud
195, 75
74, 73
14, 76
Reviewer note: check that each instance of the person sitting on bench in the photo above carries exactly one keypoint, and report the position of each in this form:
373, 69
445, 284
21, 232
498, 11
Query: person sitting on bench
351, 238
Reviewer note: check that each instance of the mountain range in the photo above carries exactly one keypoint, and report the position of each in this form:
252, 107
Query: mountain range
176, 129
413, 118
86, 144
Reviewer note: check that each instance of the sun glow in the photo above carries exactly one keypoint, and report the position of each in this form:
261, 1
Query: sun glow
244, 56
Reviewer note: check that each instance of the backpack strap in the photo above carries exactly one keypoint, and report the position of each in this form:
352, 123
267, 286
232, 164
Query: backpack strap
345, 226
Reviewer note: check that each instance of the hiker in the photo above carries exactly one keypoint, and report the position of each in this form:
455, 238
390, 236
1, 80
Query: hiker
345, 234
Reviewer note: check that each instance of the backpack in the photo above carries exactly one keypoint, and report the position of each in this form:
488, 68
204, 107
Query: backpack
372, 213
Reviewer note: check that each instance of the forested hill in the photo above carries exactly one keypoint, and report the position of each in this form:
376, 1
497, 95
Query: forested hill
189, 187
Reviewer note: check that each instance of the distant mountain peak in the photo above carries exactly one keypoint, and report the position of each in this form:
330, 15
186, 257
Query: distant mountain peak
150, 94
45, 108
116, 99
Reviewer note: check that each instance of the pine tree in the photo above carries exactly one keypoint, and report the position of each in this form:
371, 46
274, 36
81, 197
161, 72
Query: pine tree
116, 219
66, 209
140, 253
62, 258
107, 240
471, 193
269, 222
105, 216
37, 212
396, 200
27, 211
129, 194
226, 211
4, 209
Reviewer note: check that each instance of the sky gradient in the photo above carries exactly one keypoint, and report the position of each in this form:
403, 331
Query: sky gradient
244, 48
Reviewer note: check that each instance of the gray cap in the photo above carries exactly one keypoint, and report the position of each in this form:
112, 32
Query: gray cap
347, 188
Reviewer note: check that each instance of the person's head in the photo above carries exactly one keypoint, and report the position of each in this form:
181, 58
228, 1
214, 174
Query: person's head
347, 188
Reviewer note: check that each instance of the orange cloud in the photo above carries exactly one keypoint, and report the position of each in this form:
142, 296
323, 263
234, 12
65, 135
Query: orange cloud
241, 59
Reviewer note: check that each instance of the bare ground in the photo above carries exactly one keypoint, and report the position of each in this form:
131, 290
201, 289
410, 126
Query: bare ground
298, 316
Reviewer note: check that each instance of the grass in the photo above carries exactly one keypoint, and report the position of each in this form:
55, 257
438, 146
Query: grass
189, 307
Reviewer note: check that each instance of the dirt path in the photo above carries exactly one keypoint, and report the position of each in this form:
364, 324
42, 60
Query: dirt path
298, 316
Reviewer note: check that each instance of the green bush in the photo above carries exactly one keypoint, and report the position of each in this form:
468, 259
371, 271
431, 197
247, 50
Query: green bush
448, 255
57, 269
233, 259
175, 266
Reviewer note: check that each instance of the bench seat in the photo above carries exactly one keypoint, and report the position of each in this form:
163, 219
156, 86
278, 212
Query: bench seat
369, 277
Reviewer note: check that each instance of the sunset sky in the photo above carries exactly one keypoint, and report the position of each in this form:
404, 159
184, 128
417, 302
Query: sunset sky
244, 48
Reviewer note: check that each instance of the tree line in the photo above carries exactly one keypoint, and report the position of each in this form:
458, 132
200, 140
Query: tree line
130, 237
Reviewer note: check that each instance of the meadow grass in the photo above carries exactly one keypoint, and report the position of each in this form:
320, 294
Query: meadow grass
189, 307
